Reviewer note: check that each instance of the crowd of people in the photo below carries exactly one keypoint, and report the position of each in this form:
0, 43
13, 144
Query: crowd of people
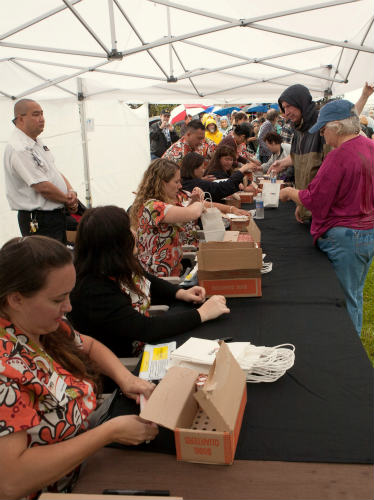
50, 373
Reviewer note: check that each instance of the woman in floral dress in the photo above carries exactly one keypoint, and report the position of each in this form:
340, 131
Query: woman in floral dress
159, 220
49, 374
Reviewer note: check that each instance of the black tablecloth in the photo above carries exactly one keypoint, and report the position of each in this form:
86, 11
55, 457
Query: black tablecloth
322, 409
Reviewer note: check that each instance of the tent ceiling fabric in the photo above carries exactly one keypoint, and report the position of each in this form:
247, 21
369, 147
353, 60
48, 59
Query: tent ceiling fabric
187, 51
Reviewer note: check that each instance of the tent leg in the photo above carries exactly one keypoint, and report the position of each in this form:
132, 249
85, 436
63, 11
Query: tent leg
82, 113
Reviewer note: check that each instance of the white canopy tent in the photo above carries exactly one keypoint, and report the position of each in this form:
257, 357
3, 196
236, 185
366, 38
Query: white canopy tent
161, 51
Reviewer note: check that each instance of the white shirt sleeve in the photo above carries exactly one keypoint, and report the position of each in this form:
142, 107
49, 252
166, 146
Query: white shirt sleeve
27, 168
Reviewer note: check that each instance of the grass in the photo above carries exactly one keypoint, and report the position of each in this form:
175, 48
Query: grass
367, 333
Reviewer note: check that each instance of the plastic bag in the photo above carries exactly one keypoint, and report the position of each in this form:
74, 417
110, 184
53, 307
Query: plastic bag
214, 229
270, 194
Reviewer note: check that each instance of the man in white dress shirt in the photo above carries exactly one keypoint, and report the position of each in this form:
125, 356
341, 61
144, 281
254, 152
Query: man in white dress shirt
34, 187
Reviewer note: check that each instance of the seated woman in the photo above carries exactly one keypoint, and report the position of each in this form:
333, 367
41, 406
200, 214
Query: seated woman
221, 165
341, 199
192, 172
49, 378
159, 221
237, 140
113, 294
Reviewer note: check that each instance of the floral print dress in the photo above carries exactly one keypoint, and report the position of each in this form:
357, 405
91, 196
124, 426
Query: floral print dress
159, 243
36, 393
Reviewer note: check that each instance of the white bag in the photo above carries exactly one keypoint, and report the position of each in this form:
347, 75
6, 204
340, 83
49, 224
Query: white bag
270, 194
214, 229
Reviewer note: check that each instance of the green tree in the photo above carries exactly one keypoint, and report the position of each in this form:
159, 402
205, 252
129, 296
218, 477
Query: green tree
155, 109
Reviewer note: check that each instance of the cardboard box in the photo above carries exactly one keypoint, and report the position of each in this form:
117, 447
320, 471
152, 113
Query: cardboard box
246, 197
232, 268
206, 422
239, 224
232, 201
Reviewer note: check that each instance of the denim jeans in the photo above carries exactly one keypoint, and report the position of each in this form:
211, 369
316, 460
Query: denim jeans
350, 252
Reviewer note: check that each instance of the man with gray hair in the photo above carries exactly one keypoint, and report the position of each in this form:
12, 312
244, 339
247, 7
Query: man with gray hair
34, 187
308, 150
268, 126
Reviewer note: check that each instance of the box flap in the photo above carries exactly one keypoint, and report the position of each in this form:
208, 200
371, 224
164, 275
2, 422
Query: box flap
228, 255
222, 393
254, 231
172, 403
231, 236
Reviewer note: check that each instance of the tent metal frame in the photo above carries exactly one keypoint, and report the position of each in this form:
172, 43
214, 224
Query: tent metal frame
110, 54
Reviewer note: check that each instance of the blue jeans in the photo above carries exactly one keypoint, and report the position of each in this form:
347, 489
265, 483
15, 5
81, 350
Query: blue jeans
350, 252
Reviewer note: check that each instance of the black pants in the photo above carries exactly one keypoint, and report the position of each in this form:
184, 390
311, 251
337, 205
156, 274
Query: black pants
51, 223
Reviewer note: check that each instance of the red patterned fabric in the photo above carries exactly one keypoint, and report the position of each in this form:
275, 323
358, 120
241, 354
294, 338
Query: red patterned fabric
179, 149
159, 243
36, 393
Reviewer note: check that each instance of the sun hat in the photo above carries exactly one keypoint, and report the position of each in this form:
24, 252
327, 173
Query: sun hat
333, 111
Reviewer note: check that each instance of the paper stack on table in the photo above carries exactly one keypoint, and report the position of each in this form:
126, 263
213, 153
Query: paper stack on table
260, 363
200, 354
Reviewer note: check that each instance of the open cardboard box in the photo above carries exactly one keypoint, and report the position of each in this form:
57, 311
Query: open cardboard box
206, 422
233, 201
245, 197
232, 268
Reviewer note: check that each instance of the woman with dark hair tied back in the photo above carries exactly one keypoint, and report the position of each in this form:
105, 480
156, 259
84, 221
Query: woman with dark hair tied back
113, 293
49, 378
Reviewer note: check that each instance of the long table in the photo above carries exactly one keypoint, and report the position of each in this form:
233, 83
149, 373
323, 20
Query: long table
295, 431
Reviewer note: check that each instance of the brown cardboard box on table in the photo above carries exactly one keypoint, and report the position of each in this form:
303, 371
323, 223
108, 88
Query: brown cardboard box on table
206, 422
245, 197
232, 268
233, 201
239, 224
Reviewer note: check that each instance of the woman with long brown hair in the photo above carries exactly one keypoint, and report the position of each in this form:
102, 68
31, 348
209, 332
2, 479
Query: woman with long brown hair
49, 373
159, 221
221, 166
113, 293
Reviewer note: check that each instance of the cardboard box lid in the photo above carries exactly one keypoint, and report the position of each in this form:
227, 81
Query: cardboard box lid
172, 403
222, 393
231, 236
254, 231
228, 256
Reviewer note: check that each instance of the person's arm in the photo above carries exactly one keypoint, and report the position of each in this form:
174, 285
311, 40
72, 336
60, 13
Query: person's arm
367, 90
50, 192
183, 214
110, 365
280, 165
227, 209
100, 306
26, 470
219, 190
290, 193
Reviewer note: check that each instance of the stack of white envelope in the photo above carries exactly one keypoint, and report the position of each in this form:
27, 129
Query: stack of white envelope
261, 364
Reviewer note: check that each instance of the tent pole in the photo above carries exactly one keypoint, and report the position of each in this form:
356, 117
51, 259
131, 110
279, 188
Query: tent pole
36, 20
82, 113
170, 45
112, 26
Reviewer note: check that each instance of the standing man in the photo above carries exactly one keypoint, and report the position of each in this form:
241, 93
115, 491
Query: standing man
162, 135
266, 127
193, 140
308, 150
34, 186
